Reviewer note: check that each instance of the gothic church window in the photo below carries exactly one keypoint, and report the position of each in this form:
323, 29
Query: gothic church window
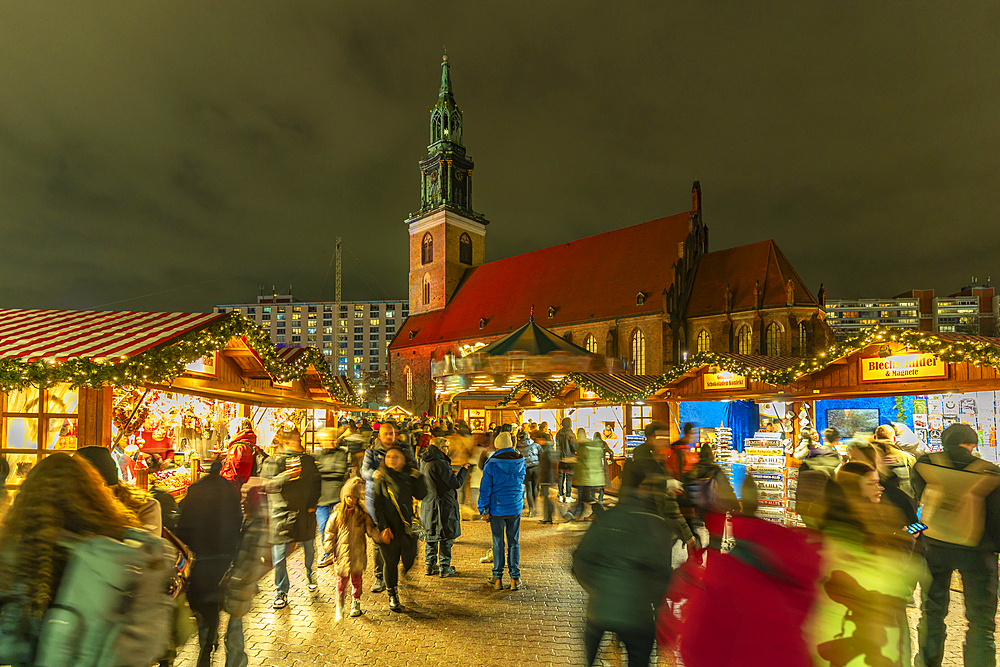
426, 291
704, 341
590, 344
427, 249
408, 375
773, 340
744, 341
465, 249
638, 350
803, 339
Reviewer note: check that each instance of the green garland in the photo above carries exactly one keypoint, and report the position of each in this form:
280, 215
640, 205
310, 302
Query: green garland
161, 365
977, 352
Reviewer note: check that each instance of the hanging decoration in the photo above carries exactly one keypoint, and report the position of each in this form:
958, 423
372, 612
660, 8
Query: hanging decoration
976, 351
164, 364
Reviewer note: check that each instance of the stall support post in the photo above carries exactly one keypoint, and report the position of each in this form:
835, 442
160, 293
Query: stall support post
95, 417
667, 412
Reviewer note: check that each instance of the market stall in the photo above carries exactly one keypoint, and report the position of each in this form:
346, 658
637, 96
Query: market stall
164, 383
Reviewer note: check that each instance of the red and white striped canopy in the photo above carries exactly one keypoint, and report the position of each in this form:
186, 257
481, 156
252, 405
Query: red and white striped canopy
289, 354
89, 334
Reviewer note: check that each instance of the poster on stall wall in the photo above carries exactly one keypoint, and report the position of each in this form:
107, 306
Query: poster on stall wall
934, 405
919, 421
920, 406
950, 404
967, 405
934, 422
968, 420
934, 438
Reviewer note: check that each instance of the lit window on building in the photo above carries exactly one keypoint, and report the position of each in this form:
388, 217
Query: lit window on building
704, 341
638, 350
359, 306
803, 339
744, 340
590, 343
408, 376
773, 340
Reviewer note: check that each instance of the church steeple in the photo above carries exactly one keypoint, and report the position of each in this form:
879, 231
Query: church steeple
447, 237
446, 172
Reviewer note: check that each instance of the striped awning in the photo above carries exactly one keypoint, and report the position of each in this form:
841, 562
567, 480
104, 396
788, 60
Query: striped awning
67, 334
765, 362
620, 385
288, 354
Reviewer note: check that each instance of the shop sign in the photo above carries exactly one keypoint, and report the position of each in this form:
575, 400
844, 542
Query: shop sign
206, 366
723, 381
901, 367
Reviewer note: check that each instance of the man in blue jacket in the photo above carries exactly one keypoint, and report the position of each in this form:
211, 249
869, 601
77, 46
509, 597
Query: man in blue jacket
500, 503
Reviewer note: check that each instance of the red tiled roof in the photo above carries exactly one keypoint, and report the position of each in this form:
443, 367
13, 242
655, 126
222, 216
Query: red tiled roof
593, 278
741, 268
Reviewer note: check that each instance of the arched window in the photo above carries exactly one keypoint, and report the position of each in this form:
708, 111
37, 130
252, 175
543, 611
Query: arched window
590, 344
773, 340
427, 249
426, 290
744, 341
408, 379
638, 350
803, 340
465, 249
704, 341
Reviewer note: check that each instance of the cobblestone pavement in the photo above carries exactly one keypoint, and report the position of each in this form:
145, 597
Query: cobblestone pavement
455, 621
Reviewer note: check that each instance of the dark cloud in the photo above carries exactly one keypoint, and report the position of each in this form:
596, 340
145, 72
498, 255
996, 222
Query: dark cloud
192, 151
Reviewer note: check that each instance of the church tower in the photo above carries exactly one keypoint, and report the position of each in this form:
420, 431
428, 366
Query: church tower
446, 235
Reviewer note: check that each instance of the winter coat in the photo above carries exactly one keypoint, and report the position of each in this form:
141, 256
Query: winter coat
439, 511
589, 468
209, 524
347, 544
501, 490
168, 507
860, 611
394, 494
292, 501
565, 447
355, 443
530, 450
547, 463
667, 501
253, 560
371, 463
623, 562
766, 589
333, 464
239, 462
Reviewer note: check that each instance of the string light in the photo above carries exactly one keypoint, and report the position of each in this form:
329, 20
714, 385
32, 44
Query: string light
164, 365
977, 353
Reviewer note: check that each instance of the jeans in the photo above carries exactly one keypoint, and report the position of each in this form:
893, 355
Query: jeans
511, 527
549, 508
978, 570
531, 488
402, 549
638, 645
208, 637
438, 553
584, 497
323, 513
566, 484
279, 553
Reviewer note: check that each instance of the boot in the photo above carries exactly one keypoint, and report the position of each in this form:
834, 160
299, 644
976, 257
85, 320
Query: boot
431, 570
356, 608
379, 585
394, 604
339, 610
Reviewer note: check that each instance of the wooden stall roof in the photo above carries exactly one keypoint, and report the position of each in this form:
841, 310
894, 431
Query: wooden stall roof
571, 390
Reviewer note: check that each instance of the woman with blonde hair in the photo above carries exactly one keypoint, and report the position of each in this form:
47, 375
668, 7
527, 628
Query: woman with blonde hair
898, 461
61, 494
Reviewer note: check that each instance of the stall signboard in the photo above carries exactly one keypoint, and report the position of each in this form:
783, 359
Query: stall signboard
902, 367
206, 366
723, 381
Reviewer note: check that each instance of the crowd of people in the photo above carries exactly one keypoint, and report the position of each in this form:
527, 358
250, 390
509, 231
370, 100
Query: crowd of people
680, 560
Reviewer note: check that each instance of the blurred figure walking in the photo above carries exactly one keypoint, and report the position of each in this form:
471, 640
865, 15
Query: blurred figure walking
547, 468
961, 508
620, 564
588, 475
440, 512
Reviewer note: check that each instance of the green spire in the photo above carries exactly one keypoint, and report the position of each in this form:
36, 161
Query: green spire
446, 117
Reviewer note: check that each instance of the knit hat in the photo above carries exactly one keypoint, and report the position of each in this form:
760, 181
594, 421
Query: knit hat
958, 434
502, 441
100, 458
353, 487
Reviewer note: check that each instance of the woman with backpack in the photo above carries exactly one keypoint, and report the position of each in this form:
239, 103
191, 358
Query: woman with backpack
397, 483
62, 498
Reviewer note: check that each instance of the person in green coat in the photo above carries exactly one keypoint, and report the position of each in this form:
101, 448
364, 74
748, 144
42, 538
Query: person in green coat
588, 476
621, 564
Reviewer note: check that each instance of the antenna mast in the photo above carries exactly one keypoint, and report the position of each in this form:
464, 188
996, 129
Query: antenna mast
338, 271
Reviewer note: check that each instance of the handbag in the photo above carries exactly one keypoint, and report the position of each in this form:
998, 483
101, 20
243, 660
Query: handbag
413, 527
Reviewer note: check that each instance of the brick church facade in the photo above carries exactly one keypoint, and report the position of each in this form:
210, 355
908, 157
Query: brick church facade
651, 293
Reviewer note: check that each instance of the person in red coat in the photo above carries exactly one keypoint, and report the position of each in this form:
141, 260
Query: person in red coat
757, 598
238, 466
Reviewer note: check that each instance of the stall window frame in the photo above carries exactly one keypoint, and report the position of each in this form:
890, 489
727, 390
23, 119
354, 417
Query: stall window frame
43, 416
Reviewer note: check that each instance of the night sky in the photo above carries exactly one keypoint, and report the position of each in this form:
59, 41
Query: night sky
186, 152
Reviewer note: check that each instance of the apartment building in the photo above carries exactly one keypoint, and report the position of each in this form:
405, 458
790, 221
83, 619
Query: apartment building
354, 335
